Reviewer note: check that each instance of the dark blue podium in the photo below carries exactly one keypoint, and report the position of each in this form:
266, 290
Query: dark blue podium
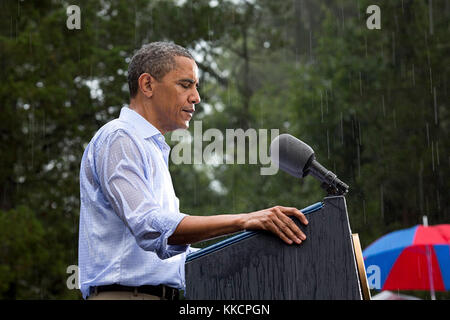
257, 265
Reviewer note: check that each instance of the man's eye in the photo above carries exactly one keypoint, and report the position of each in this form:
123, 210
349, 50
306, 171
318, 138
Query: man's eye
186, 86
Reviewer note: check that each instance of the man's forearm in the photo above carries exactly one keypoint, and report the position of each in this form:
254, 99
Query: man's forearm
276, 220
193, 229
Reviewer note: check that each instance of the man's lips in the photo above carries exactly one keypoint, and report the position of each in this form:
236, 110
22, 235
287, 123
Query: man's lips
189, 110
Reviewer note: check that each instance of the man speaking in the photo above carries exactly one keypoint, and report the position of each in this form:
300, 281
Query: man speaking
133, 239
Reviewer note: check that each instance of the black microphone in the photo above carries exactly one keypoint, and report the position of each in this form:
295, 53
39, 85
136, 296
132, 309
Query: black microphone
297, 158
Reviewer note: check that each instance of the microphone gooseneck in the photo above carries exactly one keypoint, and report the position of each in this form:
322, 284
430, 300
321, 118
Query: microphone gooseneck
330, 181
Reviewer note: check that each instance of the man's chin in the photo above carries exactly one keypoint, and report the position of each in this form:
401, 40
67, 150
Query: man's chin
185, 125
182, 126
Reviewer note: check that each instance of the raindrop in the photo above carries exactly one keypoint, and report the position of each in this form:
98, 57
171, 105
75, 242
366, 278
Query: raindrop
384, 108
437, 153
393, 48
360, 84
364, 211
435, 106
413, 76
342, 129
438, 200
359, 133
421, 186
432, 155
396, 23
382, 200
353, 129
321, 106
430, 15
359, 159
431, 81
331, 90
428, 133
328, 144
365, 45
43, 125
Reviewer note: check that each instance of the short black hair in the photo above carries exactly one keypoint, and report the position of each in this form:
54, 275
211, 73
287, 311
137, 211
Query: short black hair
155, 58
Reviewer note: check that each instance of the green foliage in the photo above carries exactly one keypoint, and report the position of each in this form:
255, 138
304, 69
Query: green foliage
23, 253
369, 100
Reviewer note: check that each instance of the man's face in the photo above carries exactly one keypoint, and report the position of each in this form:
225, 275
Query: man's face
175, 96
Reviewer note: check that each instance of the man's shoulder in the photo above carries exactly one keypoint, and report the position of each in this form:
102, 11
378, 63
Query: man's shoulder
112, 134
112, 129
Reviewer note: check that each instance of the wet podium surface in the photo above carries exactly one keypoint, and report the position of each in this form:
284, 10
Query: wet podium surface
257, 265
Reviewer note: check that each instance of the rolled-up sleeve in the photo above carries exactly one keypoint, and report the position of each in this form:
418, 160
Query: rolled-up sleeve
124, 174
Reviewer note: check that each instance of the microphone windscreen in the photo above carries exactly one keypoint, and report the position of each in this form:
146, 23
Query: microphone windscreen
290, 154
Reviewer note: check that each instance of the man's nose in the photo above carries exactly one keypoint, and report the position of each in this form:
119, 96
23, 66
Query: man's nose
195, 97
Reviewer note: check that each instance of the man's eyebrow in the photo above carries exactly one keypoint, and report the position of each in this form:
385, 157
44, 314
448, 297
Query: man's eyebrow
187, 80
191, 81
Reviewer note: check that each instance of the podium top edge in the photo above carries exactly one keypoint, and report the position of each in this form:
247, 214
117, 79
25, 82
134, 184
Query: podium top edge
241, 236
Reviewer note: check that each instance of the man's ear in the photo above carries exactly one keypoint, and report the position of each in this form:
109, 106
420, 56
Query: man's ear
146, 84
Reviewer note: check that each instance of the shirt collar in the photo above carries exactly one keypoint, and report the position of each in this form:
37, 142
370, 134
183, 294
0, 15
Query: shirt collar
145, 128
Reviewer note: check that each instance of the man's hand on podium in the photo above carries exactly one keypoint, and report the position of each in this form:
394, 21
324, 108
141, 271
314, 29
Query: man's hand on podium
277, 221
193, 229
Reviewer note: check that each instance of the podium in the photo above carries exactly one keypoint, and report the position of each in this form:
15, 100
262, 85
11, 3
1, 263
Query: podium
257, 265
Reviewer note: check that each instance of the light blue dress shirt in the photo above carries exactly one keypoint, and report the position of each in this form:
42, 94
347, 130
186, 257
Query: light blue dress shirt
128, 208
